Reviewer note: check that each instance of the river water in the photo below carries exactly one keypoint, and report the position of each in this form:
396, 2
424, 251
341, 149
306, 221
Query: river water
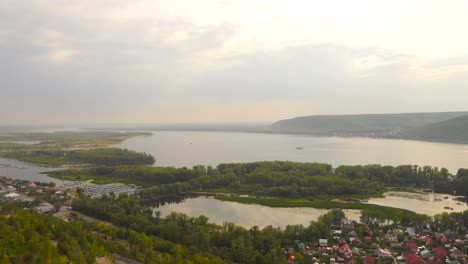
179, 149
25, 171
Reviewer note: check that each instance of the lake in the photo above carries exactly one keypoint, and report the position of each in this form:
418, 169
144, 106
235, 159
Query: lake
247, 215
184, 148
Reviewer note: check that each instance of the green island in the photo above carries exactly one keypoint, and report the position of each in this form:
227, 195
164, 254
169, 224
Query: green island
83, 157
66, 139
279, 179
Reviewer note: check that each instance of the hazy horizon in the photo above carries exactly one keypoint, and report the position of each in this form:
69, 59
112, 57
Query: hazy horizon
225, 62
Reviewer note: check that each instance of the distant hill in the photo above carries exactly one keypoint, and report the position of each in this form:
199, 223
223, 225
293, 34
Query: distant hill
377, 125
452, 130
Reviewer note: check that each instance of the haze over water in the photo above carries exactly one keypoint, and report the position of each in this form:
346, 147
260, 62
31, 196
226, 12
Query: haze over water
179, 149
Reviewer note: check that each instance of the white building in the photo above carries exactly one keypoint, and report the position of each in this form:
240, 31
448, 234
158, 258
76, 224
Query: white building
45, 207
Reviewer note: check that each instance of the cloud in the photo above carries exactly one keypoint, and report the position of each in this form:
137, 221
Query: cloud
184, 60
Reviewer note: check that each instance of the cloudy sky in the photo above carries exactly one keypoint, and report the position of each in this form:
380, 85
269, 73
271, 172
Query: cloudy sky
174, 61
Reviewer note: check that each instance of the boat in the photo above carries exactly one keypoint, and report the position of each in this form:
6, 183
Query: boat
299, 148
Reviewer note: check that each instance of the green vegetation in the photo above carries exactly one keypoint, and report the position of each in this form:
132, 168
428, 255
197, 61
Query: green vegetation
452, 130
30, 237
107, 156
424, 126
236, 244
278, 179
68, 139
141, 175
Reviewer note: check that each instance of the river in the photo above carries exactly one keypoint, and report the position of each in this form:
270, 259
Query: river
25, 171
179, 149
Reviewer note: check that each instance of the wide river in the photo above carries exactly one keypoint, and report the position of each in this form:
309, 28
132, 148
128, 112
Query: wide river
179, 149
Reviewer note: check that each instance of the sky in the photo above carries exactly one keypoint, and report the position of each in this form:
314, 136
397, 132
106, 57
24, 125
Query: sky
181, 61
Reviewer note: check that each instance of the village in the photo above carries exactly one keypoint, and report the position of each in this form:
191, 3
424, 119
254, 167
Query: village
47, 198
352, 242
348, 242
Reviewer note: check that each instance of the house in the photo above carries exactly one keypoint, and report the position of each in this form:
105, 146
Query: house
441, 237
337, 232
68, 203
345, 250
440, 253
426, 254
323, 242
391, 237
32, 185
382, 253
45, 207
414, 259
368, 239
457, 254
369, 260
459, 242
396, 245
427, 241
11, 189
411, 231
11, 196
412, 247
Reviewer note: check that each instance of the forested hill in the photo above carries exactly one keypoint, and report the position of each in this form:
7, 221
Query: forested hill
452, 130
378, 125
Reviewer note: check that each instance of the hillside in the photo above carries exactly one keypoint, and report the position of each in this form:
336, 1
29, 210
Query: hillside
452, 130
378, 125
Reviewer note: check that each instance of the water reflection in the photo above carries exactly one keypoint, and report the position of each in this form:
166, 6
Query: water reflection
247, 215
422, 203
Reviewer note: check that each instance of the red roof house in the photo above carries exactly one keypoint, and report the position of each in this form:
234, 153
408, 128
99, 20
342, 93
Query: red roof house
427, 240
414, 259
411, 246
369, 260
440, 253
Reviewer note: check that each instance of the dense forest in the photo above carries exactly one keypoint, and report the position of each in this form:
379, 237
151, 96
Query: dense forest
29, 237
280, 179
99, 156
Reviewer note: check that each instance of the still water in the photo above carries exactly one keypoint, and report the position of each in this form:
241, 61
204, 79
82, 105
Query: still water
422, 203
179, 149
247, 215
